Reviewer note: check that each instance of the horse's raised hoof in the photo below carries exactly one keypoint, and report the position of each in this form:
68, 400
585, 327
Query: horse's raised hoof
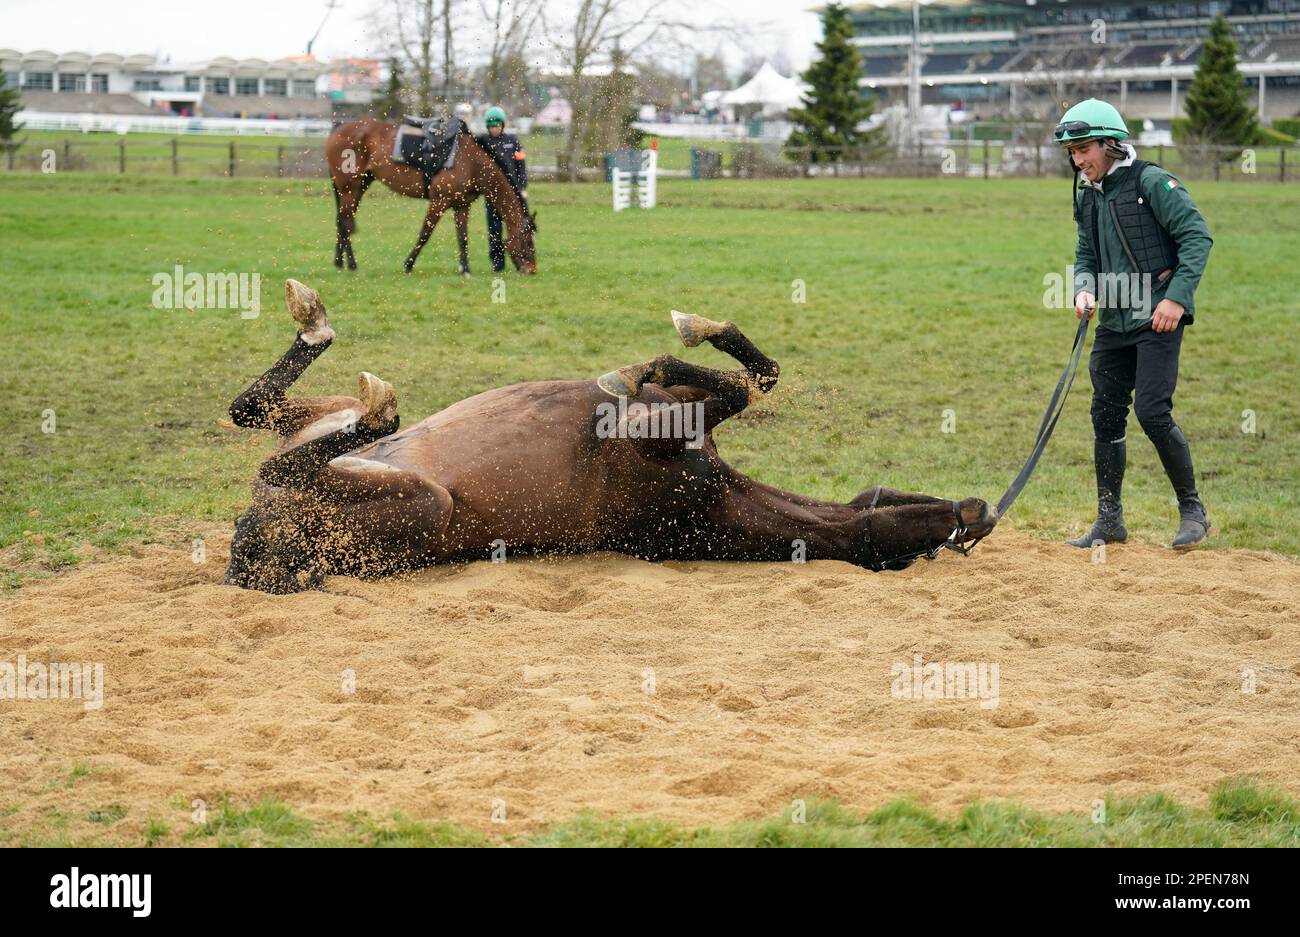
308, 311
620, 383
693, 330
378, 398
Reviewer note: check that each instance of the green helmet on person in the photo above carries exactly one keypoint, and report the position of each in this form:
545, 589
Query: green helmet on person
1090, 120
495, 117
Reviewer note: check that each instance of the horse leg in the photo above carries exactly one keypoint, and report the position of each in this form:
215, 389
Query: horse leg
338, 228
328, 435
727, 338
726, 393
462, 238
348, 190
264, 404
723, 393
351, 516
351, 226
380, 520
438, 204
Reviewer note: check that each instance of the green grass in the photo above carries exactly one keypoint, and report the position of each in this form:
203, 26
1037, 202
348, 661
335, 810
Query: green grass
922, 296
107, 815
1239, 814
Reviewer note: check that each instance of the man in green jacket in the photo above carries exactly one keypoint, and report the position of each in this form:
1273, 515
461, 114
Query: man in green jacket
1142, 247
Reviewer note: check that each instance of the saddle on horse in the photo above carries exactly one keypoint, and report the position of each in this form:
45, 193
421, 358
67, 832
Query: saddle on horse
427, 144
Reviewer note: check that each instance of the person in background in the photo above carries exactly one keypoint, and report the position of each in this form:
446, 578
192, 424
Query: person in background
509, 152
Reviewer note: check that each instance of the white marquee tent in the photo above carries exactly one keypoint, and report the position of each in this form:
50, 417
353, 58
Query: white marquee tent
768, 88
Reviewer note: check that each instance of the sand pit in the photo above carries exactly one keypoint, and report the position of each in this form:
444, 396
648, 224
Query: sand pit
526, 683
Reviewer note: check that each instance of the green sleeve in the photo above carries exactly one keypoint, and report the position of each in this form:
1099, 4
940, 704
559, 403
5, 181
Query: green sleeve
1085, 261
1178, 214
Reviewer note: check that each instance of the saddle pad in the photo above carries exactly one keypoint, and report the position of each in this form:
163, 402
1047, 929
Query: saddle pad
412, 147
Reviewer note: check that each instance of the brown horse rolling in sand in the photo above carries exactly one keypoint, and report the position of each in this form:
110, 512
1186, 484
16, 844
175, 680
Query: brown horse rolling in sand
564, 466
361, 151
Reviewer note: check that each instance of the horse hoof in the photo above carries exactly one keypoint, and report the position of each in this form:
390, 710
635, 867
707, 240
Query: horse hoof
618, 383
378, 398
693, 330
465, 274
308, 311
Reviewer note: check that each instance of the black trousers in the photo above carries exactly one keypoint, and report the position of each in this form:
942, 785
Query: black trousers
496, 247
1144, 363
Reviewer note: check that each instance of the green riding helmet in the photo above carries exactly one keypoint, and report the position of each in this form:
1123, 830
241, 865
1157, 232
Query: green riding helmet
1090, 119
495, 117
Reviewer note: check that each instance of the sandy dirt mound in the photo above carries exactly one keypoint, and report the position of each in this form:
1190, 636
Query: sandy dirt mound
527, 682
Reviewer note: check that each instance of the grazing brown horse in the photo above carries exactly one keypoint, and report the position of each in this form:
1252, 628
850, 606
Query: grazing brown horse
565, 466
361, 151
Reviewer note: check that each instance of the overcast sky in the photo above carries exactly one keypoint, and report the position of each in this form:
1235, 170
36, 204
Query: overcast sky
193, 30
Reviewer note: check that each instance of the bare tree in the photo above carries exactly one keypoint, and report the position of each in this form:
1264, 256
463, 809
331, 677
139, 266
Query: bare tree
421, 34
611, 29
448, 50
710, 72
512, 23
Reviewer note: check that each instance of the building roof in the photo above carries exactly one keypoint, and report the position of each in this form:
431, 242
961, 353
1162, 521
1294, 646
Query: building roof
289, 67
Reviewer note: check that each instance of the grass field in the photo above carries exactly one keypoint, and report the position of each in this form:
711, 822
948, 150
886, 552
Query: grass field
922, 297
1239, 814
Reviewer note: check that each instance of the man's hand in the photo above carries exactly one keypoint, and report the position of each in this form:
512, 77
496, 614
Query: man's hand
523, 193
1085, 304
1166, 316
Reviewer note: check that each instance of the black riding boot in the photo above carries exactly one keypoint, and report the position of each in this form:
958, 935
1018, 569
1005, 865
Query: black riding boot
1176, 457
1109, 459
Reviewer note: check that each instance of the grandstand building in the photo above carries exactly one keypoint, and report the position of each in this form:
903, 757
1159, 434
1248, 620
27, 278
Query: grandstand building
78, 82
1022, 58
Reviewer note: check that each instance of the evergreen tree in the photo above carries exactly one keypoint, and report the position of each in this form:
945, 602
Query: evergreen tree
10, 104
1218, 111
833, 107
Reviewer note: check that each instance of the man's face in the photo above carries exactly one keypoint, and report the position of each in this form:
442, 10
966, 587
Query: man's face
495, 130
1091, 159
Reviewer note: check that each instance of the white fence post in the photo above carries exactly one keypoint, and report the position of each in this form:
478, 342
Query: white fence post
643, 178
622, 189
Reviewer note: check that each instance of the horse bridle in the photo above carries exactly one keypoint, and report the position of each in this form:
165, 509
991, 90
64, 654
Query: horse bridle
954, 542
